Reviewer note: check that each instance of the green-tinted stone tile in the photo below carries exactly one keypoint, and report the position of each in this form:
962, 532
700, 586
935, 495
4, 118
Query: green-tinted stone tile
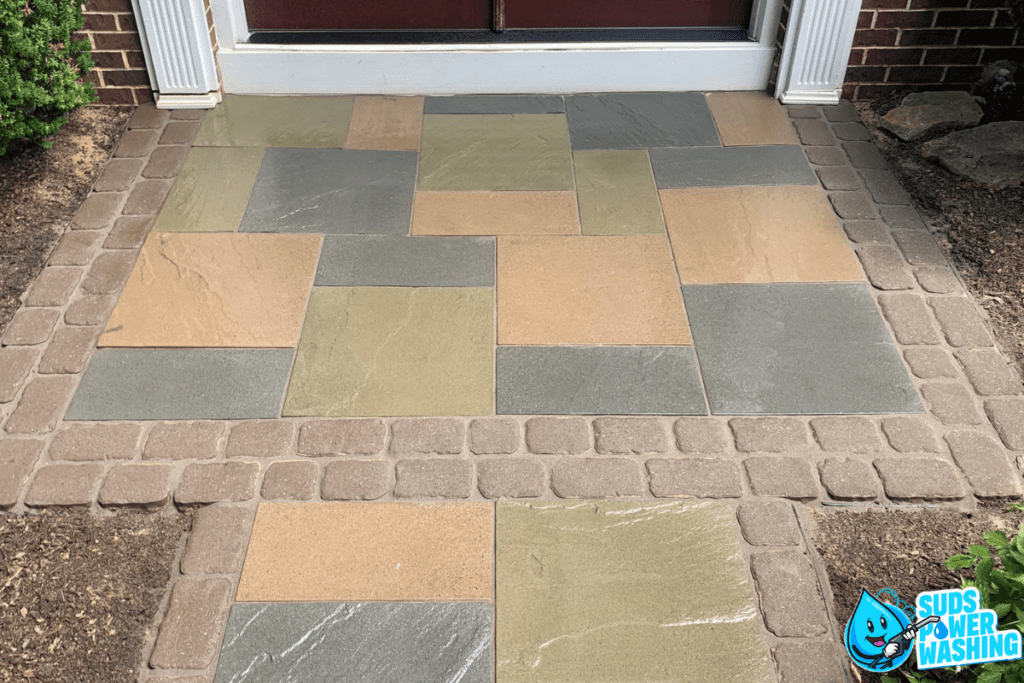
617, 193
385, 351
495, 152
211, 191
624, 591
247, 121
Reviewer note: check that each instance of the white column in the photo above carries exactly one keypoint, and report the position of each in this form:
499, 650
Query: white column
178, 53
816, 52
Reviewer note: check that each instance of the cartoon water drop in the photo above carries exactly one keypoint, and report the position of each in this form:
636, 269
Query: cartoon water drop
940, 631
879, 635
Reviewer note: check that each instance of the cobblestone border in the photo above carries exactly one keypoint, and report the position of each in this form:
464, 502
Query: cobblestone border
968, 446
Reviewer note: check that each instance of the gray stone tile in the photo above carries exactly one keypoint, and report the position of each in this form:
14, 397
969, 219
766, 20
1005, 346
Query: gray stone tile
608, 380
638, 120
796, 349
182, 384
726, 166
333, 191
388, 261
368, 642
495, 104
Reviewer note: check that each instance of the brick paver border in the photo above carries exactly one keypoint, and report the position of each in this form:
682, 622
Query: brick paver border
968, 446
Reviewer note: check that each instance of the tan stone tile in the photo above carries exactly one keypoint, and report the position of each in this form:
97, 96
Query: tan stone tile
750, 118
495, 213
369, 551
757, 234
588, 290
215, 290
617, 192
388, 123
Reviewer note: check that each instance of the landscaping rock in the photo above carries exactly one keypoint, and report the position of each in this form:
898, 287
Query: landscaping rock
992, 155
927, 113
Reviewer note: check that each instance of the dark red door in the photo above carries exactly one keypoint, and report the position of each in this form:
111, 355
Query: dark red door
398, 15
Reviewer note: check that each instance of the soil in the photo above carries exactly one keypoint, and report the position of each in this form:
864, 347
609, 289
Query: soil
981, 230
79, 593
40, 191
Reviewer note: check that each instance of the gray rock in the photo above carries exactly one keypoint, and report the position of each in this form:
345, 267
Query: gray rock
928, 113
992, 155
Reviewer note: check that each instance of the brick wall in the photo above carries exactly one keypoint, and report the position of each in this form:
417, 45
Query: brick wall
119, 71
927, 45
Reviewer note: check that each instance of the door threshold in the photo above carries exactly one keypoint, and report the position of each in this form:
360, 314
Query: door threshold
509, 36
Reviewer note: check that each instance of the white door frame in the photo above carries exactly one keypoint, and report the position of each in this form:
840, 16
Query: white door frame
550, 68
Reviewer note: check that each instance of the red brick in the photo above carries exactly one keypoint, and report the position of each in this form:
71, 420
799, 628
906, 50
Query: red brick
921, 19
850, 91
936, 4
143, 95
99, 22
116, 41
127, 77
126, 22
870, 37
865, 74
915, 74
1015, 54
108, 60
135, 59
115, 96
895, 56
109, 6
864, 19
928, 37
856, 58
964, 18
986, 36
953, 55
963, 74
94, 78
874, 91
884, 4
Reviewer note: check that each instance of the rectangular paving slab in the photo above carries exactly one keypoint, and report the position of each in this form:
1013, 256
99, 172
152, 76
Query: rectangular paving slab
335, 191
617, 193
495, 152
751, 118
392, 123
385, 351
384, 261
796, 349
624, 591
249, 121
496, 213
598, 380
370, 643
369, 551
495, 104
211, 190
638, 120
725, 166
182, 384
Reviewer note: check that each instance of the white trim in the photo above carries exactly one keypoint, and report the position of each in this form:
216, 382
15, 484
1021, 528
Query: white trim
207, 101
491, 68
818, 41
180, 55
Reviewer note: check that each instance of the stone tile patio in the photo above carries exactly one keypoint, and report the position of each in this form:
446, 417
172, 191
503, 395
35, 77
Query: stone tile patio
532, 341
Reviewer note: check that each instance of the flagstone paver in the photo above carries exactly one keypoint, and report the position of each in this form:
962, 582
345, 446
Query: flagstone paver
495, 213
387, 261
245, 121
638, 120
211, 191
386, 123
616, 192
748, 118
678, 167
494, 104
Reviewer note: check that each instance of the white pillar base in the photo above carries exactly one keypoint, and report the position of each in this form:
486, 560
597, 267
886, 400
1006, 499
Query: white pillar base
207, 101
817, 49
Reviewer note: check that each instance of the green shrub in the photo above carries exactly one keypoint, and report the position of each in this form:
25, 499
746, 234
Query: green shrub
40, 68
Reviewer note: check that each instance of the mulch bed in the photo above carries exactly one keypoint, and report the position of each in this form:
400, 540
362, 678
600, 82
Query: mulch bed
79, 593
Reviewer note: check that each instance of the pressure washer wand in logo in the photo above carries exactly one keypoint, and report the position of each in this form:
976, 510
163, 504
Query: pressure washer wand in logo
901, 642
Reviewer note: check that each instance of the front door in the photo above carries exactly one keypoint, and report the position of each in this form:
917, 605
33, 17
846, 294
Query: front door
462, 15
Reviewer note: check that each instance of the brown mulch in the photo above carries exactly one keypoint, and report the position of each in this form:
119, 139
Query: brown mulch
903, 550
40, 190
981, 230
79, 593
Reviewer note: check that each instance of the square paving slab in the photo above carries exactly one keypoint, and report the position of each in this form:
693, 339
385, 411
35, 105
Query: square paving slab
375, 260
349, 192
182, 384
211, 191
369, 551
495, 152
588, 290
796, 349
638, 120
598, 380
495, 104
624, 591
391, 123
215, 290
757, 234
385, 351
370, 643
495, 213
247, 121
751, 118
617, 193
726, 166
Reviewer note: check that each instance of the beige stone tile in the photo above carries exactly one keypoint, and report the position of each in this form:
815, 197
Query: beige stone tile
370, 551
750, 118
588, 290
387, 123
757, 234
215, 290
495, 213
